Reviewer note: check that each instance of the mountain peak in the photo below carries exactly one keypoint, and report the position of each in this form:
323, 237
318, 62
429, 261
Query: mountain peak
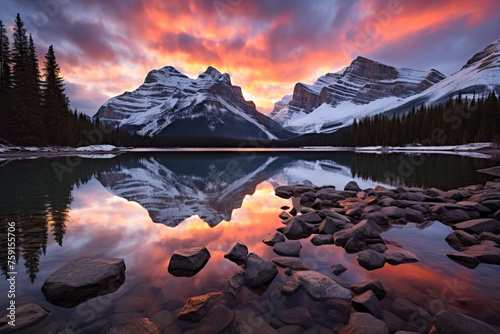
490, 55
211, 72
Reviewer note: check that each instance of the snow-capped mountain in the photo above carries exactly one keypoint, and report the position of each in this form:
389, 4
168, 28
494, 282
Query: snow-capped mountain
170, 103
367, 88
480, 75
335, 98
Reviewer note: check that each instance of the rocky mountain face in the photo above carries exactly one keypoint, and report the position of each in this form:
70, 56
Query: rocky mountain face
170, 103
361, 83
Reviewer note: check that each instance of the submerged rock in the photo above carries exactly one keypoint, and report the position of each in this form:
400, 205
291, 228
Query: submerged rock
371, 284
288, 262
319, 287
449, 322
338, 269
236, 282
82, 279
197, 307
364, 323
296, 316
259, 271
139, 326
289, 288
188, 262
25, 316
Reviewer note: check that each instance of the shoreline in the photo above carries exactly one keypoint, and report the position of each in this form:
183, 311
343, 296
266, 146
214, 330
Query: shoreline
477, 150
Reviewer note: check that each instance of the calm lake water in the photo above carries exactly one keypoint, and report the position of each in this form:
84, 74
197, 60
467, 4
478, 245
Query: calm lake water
144, 206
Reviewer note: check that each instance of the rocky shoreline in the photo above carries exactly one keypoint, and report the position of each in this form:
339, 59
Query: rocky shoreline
353, 219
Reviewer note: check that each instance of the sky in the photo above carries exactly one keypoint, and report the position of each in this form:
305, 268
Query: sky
267, 46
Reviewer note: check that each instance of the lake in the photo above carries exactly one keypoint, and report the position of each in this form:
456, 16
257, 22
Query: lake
142, 206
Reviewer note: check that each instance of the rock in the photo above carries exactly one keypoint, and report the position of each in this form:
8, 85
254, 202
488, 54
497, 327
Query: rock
478, 226
378, 217
396, 257
296, 229
288, 248
490, 236
486, 252
366, 302
370, 259
408, 311
332, 214
414, 215
237, 252
353, 245
364, 323
217, 319
355, 212
188, 262
352, 186
455, 194
259, 271
485, 196
460, 240
322, 239
139, 326
393, 212
330, 225
417, 197
296, 316
371, 284
197, 307
470, 205
385, 201
82, 279
247, 322
300, 189
290, 329
380, 247
319, 287
338, 269
371, 200
366, 229
236, 282
273, 238
285, 215
311, 218
292, 263
25, 316
284, 192
308, 197
289, 288
453, 216
419, 208
163, 319
449, 322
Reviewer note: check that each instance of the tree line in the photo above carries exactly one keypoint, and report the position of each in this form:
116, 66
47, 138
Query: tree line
458, 121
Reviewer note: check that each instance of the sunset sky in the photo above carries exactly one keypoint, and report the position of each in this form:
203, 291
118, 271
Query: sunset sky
107, 47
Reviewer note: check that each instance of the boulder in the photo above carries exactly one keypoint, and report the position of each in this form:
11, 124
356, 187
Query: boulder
378, 217
331, 225
490, 236
366, 302
301, 226
354, 211
396, 257
273, 238
259, 271
352, 186
319, 287
371, 284
486, 252
414, 216
338, 269
449, 322
26, 316
288, 248
364, 323
289, 288
284, 192
322, 239
379, 247
139, 326
417, 197
308, 197
285, 215
470, 205
197, 307
247, 322
460, 240
82, 279
370, 259
393, 212
354, 245
478, 226
366, 229
290, 329
236, 282
296, 316
453, 216
188, 262
407, 310
288, 262
237, 252
310, 217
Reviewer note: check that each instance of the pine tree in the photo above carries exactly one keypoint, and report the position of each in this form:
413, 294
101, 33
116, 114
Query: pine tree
27, 116
55, 103
5, 82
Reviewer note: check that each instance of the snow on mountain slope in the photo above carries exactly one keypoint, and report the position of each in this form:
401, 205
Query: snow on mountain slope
365, 86
170, 103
